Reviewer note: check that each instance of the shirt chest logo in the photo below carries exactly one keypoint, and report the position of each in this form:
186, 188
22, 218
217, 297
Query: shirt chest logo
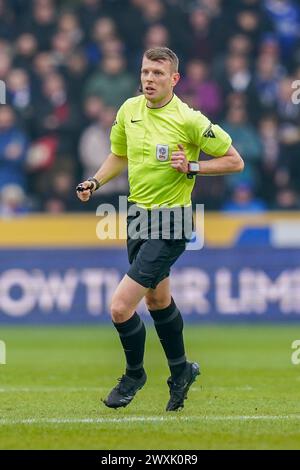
162, 152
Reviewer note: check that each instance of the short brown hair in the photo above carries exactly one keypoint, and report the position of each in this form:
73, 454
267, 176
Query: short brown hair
163, 53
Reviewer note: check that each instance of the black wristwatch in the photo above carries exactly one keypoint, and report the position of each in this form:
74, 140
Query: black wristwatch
97, 184
194, 168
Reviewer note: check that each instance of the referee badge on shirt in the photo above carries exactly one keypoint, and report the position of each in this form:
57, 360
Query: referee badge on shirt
162, 152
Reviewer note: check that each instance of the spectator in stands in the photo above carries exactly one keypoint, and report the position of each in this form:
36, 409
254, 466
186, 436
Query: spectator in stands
201, 44
43, 65
57, 197
269, 46
268, 73
238, 45
56, 115
238, 75
62, 48
247, 142
7, 21
88, 12
75, 71
287, 199
269, 135
156, 35
243, 200
132, 26
285, 16
25, 51
202, 92
252, 21
68, 24
289, 133
112, 83
42, 23
239, 79
93, 108
104, 31
113, 46
13, 148
19, 91
5, 64
19, 95
13, 201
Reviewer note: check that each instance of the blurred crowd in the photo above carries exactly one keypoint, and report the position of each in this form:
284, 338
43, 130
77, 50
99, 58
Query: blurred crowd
68, 66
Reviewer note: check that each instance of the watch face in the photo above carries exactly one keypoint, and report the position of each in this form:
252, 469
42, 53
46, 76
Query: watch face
193, 166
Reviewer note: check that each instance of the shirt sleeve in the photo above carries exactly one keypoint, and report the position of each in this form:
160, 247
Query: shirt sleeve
118, 138
209, 137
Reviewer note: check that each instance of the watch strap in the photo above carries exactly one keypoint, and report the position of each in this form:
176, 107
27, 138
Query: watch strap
192, 173
96, 182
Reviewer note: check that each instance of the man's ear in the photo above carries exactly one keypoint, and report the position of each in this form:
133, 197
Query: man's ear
175, 78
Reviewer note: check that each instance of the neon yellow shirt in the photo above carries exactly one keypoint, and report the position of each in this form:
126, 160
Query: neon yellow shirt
148, 136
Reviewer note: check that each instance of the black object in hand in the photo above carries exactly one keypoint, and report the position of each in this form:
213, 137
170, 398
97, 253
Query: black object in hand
81, 188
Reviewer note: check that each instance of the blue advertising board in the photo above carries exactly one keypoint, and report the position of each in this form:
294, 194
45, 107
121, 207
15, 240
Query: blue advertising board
53, 285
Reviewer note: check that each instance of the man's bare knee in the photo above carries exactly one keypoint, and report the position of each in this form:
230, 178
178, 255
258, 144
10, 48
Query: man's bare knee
156, 303
120, 311
126, 298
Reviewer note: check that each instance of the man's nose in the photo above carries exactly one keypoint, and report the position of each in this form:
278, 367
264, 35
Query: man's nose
150, 76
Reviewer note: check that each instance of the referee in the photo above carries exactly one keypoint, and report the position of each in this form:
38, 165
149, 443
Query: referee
158, 137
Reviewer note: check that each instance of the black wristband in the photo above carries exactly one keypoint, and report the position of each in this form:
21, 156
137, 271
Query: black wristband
97, 184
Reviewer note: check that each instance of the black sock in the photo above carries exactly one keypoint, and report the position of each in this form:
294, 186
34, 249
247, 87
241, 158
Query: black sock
132, 335
169, 325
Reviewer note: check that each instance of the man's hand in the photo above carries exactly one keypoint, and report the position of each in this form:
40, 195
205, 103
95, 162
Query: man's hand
179, 161
84, 190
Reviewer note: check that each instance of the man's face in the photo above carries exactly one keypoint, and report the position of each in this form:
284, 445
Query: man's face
158, 79
6, 118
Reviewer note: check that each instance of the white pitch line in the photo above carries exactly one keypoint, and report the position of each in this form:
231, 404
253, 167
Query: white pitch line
125, 419
49, 389
221, 389
99, 389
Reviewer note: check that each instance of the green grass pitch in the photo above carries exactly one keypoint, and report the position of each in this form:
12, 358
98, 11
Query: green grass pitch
248, 396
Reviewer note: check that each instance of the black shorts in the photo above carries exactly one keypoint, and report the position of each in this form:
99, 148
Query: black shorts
152, 255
